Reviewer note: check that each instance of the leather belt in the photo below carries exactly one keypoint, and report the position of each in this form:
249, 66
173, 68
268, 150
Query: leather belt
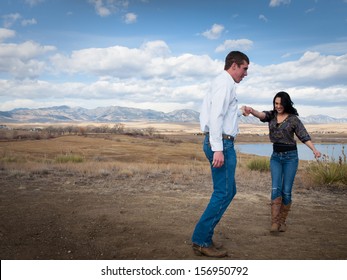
228, 137
224, 136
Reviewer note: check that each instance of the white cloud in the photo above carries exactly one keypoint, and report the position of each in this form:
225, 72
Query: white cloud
20, 60
135, 92
313, 80
27, 22
338, 47
156, 48
10, 19
152, 59
311, 10
286, 55
6, 33
214, 33
105, 8
276, 3
130, 18
34, 2
262, 17
100, 9
311, 69
241, 44
24, 51
151, 77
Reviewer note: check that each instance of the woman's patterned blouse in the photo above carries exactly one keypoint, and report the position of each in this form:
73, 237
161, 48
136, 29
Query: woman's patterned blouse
283, 133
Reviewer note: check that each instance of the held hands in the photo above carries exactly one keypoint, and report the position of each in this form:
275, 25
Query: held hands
246, 110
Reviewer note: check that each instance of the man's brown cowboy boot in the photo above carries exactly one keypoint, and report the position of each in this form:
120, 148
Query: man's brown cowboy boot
210, 251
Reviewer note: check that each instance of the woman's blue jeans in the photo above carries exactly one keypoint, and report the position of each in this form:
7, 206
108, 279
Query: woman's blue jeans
224, 190
283, 169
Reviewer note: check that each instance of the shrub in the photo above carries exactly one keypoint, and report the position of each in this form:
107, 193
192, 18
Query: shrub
10, 159
259, 164
329, 171
69, 158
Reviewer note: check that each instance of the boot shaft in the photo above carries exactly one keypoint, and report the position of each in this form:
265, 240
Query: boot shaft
275, 214
284, 211
275, 209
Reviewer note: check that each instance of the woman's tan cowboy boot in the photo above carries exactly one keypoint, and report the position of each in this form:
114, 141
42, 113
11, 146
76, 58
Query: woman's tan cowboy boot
275, 214
283, 216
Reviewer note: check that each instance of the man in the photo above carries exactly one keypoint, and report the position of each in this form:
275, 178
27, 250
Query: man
219, 121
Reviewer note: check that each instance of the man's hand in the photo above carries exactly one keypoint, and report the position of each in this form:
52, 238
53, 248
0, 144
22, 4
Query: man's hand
246, 110
218, 159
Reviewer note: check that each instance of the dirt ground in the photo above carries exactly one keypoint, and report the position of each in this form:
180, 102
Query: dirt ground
61, 214
58, 215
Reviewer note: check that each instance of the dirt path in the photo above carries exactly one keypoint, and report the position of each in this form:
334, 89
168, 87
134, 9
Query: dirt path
59, 215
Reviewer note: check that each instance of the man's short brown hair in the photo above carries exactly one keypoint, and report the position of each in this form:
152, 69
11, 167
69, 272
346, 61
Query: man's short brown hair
235, 57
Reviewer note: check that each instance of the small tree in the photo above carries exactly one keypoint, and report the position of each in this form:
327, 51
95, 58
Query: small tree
118, 128
150, 131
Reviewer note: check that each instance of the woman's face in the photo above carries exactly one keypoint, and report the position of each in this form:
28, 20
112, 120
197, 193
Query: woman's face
278, 106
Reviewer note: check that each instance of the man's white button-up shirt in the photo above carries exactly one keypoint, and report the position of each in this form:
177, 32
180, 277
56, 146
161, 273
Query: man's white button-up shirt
219, 111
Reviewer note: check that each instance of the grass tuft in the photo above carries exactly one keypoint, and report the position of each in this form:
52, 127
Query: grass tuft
259, 164
69, 158
329, 171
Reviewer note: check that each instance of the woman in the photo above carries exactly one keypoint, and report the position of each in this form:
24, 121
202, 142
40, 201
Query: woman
283, 124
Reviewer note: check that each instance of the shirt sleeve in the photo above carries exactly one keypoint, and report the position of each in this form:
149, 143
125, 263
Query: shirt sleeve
269, 115
301, 132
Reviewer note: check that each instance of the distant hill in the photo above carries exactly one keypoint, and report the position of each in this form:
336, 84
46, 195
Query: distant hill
101, 114
123, 114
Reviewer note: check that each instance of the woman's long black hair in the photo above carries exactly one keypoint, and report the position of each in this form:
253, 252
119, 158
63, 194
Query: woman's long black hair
286, 102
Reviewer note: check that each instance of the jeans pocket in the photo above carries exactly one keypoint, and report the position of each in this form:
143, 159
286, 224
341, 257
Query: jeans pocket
227, 144
207, 150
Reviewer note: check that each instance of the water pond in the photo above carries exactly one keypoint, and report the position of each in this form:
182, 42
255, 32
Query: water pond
333, 151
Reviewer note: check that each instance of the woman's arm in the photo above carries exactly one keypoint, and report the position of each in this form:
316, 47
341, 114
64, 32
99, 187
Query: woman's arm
304, 137
316, 153
259, 115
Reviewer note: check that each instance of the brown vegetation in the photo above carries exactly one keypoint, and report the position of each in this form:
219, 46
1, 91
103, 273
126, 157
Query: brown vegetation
139, 196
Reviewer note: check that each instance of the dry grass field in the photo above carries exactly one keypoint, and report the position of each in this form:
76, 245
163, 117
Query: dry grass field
106, 196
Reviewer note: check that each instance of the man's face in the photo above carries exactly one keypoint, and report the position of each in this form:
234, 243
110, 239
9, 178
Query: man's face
239, 72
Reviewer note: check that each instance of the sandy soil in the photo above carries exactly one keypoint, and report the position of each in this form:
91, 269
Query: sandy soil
63, 215
58, 215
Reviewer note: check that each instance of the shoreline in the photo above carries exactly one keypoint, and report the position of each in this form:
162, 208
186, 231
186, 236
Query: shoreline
249, 133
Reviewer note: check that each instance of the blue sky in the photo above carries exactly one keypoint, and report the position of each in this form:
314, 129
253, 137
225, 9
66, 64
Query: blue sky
162, 55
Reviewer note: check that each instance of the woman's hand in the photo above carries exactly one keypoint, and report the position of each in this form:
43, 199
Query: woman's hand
316, 153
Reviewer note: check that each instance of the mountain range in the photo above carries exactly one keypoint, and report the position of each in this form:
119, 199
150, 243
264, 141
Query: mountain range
118, 114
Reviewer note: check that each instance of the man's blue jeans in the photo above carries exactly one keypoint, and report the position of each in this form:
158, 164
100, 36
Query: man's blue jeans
283, 169
224, 190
